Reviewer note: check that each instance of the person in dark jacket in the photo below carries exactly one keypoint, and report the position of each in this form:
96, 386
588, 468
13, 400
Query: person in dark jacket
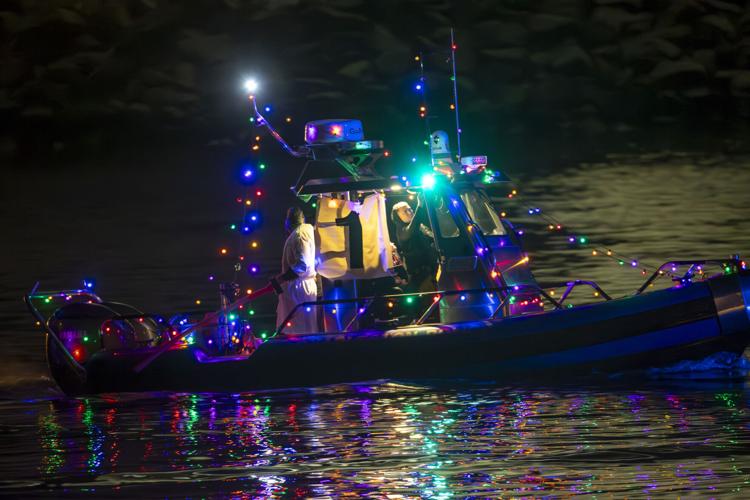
415, 243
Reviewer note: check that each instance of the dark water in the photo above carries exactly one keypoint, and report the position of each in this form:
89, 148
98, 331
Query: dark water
383, 440
386, 440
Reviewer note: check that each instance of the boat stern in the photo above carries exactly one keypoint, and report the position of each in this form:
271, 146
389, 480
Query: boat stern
731, 296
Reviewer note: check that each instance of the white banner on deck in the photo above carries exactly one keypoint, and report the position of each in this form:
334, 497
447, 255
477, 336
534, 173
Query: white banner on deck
352, 238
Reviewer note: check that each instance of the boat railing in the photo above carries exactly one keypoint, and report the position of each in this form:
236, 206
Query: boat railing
42, 321
733, 264
365, 303
570, 285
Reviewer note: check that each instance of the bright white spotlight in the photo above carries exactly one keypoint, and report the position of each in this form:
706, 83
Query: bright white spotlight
251, 85
428, 181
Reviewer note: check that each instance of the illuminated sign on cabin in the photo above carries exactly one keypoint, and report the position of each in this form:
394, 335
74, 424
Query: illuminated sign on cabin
473, 164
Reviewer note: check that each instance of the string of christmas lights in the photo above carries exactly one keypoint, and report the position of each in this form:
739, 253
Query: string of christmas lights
553, 224
579, 241
421, 88
248, 225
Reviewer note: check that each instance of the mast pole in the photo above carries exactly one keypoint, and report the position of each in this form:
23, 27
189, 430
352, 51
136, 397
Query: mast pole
455, 95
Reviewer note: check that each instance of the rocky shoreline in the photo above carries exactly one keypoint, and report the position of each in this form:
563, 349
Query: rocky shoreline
609, 75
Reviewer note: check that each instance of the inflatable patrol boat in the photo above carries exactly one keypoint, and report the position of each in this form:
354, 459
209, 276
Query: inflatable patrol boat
486, 318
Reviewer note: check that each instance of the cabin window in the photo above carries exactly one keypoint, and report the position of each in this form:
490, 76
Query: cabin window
446, 224
482, 213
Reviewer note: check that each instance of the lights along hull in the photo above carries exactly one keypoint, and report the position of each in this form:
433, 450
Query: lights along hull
640, 332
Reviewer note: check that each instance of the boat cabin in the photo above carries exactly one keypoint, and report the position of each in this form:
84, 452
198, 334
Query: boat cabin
476, 266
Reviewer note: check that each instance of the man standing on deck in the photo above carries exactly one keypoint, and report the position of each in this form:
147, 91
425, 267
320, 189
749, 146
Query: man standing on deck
297, 276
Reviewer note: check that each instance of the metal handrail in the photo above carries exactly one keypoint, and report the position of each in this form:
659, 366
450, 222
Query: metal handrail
660, 270
593, 284
523, 288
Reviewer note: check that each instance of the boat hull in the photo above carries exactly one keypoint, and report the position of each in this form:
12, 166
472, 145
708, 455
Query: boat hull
634, 333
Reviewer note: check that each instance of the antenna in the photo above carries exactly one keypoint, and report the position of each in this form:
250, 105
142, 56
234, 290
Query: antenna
251, 86
455, 95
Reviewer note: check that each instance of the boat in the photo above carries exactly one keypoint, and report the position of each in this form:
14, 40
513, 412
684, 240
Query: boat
487, 317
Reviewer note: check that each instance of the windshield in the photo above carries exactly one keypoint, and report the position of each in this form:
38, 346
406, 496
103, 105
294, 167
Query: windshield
482, 213
446, 224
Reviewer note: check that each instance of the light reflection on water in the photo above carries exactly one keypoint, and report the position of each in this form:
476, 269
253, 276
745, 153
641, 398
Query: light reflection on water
385, 440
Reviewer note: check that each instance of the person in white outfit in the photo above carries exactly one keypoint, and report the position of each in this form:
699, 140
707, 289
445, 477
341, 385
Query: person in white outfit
297, 277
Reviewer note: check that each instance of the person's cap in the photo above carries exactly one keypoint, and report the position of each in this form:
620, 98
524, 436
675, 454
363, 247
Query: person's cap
395, 208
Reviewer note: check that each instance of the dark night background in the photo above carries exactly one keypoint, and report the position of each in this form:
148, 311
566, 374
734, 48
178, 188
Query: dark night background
123, 127
124, 123
84, 79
